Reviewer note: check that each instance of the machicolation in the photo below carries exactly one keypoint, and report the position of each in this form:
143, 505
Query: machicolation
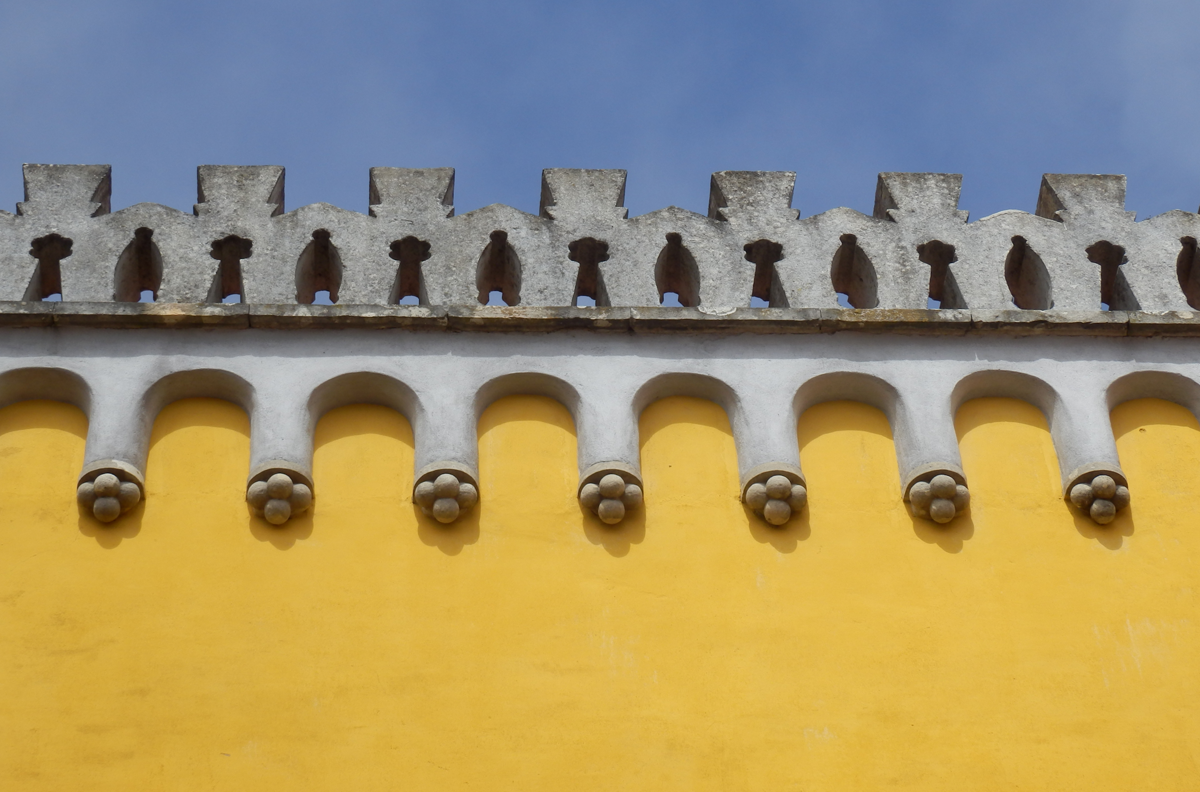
913, 309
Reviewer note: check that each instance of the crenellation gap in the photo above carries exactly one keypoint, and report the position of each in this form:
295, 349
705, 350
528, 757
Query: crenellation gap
1115, 291
853, 275
590, 291
498, 272
767, 289
1027, 277
943, 288
46, 283
1187, 268
409, 286
676, 272
230, 251
139, 269
319, 269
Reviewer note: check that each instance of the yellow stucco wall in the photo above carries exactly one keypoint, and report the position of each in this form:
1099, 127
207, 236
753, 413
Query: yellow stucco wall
528, 647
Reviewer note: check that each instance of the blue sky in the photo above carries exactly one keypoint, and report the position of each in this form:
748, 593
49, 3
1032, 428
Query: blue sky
837, 91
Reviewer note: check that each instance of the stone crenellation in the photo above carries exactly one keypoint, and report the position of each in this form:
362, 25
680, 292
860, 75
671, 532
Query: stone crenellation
1080, 251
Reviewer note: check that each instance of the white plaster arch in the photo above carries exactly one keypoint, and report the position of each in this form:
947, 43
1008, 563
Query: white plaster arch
1166, 385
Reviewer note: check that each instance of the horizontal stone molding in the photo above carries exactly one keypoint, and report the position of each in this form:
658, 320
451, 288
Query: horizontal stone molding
768, 321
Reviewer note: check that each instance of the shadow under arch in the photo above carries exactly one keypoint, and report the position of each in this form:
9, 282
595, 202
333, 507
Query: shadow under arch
192, 384
1180, 391
700, 408
1032, 390
700, 386
854, 386
697, 386
196, 384
166, 390
66, 387
51, 384
1164, 385
527, 383
382, 390
1005, 384
512, 467
43, 472
564, 393
874, 392
364, 387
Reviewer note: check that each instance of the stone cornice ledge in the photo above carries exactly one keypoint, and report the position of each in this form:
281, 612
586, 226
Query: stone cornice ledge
658, 320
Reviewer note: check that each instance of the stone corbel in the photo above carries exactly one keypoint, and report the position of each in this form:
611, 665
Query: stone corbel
280, 484
446, 484
932, 478
609, 490
764, 429
108, 488
1092, 479
444, 490
1099, 494
775, 491
278, 491
610, 479
112, 482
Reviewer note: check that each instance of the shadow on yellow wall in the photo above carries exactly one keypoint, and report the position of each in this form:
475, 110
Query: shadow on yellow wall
1014, 469
850, 444
1159, 446
362, 468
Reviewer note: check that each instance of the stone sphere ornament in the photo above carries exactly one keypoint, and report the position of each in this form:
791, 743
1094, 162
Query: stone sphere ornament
940, 499
445, 497
278, 498
1101, 498
776, 499
108, 497
610, 497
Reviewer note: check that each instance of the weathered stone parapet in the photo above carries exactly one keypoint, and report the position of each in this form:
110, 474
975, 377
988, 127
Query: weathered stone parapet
1079, 252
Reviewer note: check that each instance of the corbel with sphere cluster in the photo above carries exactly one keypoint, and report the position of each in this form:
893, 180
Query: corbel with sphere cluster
446, 495
279, 497
940, 498
776, 496
1100, 497
109, 494
610, 495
